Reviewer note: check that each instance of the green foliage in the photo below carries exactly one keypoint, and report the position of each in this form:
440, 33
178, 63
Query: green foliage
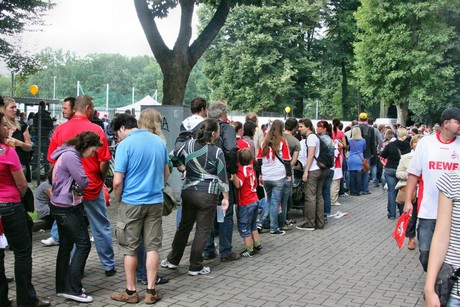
401, 53
261, 60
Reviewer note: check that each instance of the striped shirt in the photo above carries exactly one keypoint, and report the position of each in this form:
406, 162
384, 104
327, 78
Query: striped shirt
449, 185
205, 169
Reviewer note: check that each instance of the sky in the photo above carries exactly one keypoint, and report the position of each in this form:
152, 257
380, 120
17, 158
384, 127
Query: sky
98, 26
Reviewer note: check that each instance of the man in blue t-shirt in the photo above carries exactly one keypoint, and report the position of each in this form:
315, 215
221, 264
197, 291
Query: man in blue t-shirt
141, 170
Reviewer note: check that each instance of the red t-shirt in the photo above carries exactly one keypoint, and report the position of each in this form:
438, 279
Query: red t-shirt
91, 165
240, 143
9, 162
248, 184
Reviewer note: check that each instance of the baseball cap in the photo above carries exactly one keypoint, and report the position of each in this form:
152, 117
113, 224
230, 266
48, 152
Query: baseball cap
363, 116
450, 113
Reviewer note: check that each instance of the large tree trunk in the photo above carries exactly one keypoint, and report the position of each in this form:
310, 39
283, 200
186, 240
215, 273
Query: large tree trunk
177, 64
403, 112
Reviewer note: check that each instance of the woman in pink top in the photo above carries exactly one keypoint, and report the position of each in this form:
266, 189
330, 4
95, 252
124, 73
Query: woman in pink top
14, 218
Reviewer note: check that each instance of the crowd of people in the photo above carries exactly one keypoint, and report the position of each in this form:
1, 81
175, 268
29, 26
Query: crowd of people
226, 167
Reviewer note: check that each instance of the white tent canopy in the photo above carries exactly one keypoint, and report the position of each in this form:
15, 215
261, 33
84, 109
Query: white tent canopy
146, 101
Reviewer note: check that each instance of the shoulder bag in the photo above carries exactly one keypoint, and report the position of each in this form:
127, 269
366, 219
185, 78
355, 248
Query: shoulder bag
447, 277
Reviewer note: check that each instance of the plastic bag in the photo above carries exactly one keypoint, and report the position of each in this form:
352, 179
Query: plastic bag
399, 234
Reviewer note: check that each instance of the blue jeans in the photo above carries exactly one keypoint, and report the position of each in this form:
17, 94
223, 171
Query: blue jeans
390, 177
101, 229
453, 302
327, 175
425, 232
225, 229
355, 178
365, 182
72, 230
275, 194
384, 181
344, 182
375, 181
284, 204
141, 270
54, 232
14, 219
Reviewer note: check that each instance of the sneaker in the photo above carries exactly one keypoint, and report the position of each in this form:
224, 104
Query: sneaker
336, 204
166, 264
258, 248
152, 298
278, 233
287, 227
304, 226
365, 192
125, 297
50, 242
205, 270
290, 222
161, 280
110, 272
232, 257
82, 297
143, 282
247, 254
343, 195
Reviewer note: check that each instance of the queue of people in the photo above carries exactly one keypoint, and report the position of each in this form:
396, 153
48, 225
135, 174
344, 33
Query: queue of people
224, 167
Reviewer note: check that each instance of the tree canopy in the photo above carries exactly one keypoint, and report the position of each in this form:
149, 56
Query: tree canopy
15, 16
401, 54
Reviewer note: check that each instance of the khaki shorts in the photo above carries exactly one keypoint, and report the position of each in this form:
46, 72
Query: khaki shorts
135, 221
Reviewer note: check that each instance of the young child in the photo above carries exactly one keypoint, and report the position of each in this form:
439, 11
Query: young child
245, 182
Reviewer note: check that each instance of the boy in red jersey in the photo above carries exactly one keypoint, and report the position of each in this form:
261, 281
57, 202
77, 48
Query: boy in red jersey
245, 182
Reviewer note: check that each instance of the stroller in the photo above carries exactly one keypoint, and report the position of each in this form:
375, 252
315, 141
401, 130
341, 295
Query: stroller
298, 195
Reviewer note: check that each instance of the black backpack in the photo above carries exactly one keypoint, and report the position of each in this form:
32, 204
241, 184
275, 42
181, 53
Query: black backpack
325, 158
186, 135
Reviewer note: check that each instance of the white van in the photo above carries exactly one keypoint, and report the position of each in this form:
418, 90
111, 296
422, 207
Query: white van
386, 121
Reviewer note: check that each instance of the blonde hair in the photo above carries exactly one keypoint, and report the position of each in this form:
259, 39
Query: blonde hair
389, 134
415, 140
356, 133
150, 119
402, 134
12, 123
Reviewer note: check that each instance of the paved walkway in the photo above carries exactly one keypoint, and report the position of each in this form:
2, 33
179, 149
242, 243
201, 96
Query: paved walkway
352, 262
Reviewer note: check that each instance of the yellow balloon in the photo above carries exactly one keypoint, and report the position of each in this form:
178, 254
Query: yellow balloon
287, 110
33, 89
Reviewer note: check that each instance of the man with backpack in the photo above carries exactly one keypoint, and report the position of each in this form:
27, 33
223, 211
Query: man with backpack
226, 142
370, 152
312, 177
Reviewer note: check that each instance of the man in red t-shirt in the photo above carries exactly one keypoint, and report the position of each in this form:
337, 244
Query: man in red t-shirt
96, 169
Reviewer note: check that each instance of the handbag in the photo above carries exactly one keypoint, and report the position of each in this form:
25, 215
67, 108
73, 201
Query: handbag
401, 196
169, 202
28, 200
445, 281
366, 167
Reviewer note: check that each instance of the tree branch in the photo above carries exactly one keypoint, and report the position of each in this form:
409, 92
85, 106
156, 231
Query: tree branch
201, 44
185, 31
156, 42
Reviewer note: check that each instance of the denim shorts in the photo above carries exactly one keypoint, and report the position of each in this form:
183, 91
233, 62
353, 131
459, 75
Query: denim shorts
247, 219
136, 220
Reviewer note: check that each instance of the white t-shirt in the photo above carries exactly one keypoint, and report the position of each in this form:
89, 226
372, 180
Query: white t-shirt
313, 140
431, 159
272, 168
